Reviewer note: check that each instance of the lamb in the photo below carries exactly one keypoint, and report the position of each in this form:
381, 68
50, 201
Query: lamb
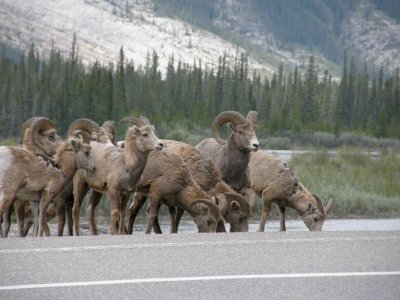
117, 172
166, 179
275, 183
234, 208
25, 176
232, 156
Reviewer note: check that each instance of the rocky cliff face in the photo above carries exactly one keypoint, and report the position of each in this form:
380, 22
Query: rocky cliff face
373, 37
103, 26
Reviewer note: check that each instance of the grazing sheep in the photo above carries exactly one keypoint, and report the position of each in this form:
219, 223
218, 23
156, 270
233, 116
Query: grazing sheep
166, 179
232, 156
275, 183
117, 172
234, 208
25, 176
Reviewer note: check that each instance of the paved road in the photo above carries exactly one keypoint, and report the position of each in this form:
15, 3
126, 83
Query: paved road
273, 265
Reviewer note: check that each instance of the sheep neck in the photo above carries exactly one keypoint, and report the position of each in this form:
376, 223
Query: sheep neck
135, 160
235, 164
66, 159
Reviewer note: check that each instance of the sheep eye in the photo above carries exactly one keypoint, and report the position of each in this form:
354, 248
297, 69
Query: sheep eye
241, 132
315, 220
145, 134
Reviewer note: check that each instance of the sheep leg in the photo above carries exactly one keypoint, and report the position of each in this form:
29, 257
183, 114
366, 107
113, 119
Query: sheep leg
68, 213
60, 207
172, 215
6, 200
80, 190
19, 207
179, 215
114, 204
282, 210
265, 210
94, 200
138, 200
155, 204
122, 213
35, 212
7, 221
44, 204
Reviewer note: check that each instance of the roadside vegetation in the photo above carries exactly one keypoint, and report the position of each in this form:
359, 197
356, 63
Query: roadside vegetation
359, 184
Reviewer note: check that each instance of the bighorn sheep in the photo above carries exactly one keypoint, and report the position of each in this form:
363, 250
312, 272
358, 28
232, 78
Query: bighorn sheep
232, 156
275, 183
25, 176
117, 172
234, 208
91, 131
166, 179
39, 136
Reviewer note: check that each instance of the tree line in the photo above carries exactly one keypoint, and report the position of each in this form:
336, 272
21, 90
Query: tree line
64, 89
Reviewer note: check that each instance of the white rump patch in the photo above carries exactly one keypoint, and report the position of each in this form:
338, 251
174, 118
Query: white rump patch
6, 159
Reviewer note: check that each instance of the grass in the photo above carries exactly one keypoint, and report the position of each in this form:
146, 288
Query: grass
359, 184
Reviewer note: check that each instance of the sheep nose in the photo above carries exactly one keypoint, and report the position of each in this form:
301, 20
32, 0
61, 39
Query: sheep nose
256, 145
160, 145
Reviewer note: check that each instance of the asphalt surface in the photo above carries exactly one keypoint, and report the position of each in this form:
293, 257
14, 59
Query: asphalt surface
273, 265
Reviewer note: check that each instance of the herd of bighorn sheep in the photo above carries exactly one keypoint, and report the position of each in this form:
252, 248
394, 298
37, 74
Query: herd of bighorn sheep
216, 183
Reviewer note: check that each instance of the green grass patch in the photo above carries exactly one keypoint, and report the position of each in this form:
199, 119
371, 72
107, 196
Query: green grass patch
358, 183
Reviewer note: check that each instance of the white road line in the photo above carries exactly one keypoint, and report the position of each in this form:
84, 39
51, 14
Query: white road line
189, 244
199, 278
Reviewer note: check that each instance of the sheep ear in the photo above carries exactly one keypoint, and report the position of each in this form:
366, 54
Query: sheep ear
235, 205
231, 126
75, 145
136, 130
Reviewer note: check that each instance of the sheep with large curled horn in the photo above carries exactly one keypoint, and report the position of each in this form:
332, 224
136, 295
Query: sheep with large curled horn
232, 155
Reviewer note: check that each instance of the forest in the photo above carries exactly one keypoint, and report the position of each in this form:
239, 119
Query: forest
189, 96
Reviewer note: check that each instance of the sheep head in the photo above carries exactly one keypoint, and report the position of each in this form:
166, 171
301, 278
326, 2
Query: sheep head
208, 215
97, 133
243, 129
144, 138
238, 212
83, 157
109, 126
143, 133
40, 136
314, 217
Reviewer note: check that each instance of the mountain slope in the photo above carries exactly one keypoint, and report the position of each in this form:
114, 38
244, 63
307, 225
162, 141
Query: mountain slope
269, 31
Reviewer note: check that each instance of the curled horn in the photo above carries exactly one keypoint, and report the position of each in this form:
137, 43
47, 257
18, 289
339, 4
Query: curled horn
142, 121
227, 116
319, 203
213, 209
252, 116
25, 126
222, 202
83, 124
81, 134
37, 125
244, 205
109, 126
